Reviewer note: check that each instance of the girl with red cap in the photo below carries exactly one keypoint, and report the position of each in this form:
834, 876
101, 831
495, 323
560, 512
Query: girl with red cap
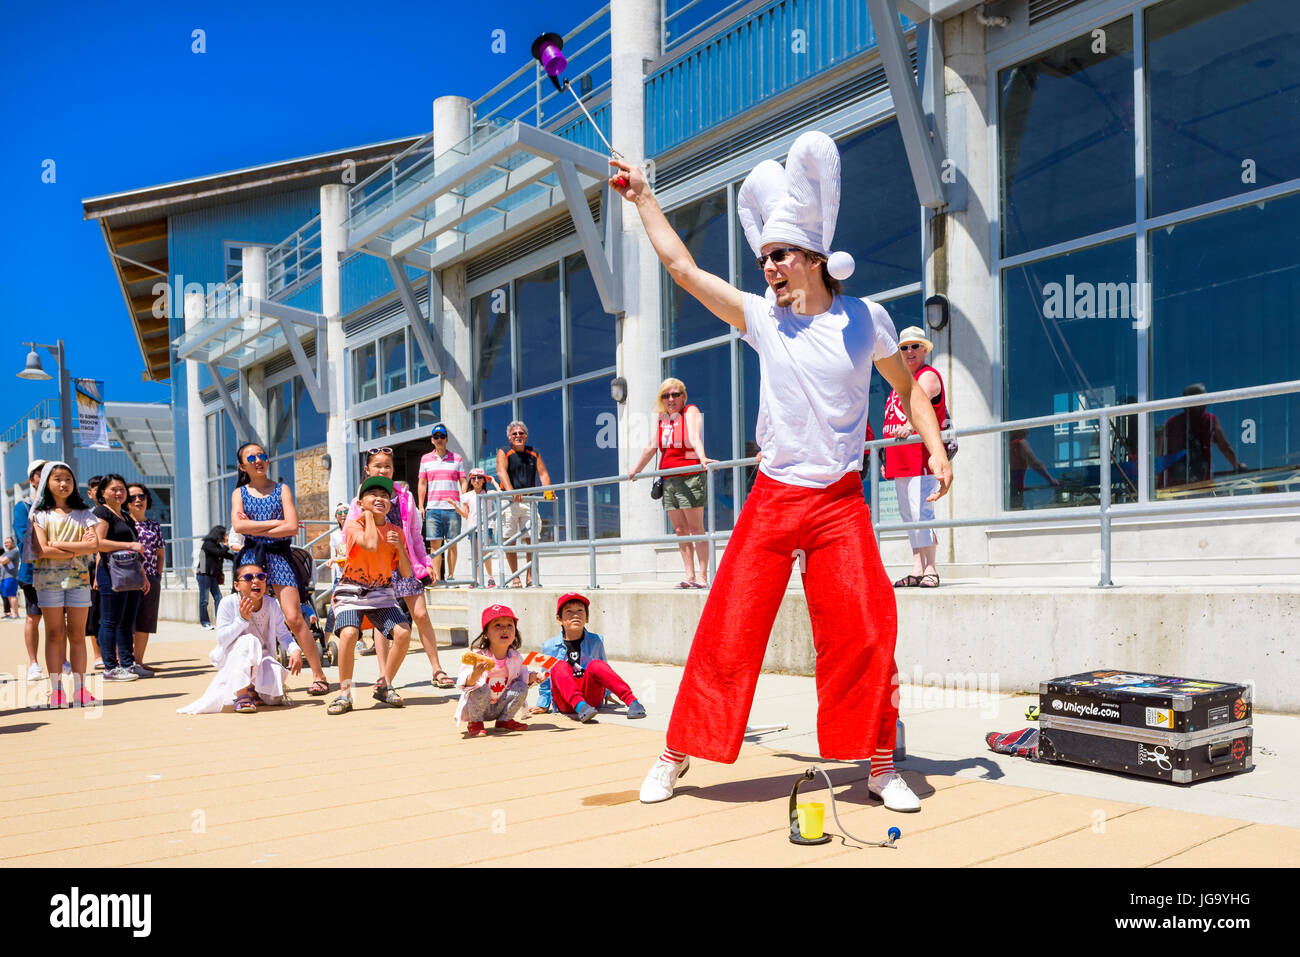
493, 675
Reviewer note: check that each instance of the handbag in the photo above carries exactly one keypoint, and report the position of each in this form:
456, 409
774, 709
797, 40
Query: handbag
126, 571
949, 444
657, 489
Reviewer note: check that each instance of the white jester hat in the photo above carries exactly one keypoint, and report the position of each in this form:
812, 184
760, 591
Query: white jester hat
798, 203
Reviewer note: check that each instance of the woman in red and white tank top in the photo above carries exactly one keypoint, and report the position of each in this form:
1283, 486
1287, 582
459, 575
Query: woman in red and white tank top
906, 464
679, 439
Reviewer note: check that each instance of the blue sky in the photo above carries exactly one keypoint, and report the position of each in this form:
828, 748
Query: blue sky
115, 96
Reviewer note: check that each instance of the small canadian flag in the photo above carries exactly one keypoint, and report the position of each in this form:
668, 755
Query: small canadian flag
541, 662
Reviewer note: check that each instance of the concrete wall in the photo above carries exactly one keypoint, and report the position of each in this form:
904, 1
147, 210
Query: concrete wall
990, 639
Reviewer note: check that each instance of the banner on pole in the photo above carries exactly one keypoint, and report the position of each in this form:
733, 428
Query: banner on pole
92, 422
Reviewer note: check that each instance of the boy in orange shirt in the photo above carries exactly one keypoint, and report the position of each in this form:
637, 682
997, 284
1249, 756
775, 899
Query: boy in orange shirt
375, 548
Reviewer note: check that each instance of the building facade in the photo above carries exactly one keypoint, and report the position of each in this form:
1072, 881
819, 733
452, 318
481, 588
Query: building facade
1104, 191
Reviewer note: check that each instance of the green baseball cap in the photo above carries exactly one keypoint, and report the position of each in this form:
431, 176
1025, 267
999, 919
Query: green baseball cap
377, 481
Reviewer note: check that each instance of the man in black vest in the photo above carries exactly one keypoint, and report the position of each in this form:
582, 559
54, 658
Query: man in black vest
519, 466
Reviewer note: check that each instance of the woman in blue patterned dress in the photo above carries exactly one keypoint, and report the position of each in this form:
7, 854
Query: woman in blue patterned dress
263, 512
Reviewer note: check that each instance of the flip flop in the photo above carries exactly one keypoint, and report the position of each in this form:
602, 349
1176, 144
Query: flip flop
685, 585
699, 584
319, 687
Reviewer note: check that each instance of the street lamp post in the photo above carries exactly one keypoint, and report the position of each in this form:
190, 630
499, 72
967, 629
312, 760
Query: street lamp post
34, 372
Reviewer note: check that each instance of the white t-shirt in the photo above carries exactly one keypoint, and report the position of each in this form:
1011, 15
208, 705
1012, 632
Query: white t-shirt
470, 501
814, 382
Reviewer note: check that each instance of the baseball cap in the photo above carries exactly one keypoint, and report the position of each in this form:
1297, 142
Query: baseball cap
379, 482
497, 611
474, 472
439, 429
571, 596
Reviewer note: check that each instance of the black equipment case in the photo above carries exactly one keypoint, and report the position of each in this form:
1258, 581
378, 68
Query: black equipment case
1157, 726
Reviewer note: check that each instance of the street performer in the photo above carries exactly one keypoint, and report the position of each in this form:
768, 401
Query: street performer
815, 348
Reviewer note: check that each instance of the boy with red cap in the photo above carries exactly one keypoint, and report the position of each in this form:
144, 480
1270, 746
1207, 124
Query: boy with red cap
578, 684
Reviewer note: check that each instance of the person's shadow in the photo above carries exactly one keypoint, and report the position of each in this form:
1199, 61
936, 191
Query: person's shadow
915, 771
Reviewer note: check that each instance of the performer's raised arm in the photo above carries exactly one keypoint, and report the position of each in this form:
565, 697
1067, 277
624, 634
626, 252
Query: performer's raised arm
715, 293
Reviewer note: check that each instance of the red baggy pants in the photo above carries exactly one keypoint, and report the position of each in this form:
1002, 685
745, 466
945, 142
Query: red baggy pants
854, 623
597, 678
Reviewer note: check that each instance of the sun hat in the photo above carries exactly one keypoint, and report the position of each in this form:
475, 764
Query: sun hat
492, 612
914, 334
477, 472
570, 596
379, 482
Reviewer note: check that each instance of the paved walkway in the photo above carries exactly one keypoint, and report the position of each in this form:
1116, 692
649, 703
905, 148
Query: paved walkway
133, 783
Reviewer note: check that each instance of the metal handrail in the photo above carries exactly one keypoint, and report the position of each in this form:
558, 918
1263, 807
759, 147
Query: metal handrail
493, 501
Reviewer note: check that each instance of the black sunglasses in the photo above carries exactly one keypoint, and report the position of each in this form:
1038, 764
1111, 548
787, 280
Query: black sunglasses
778, 256
672, 395
911, 345
137, 498
260, 576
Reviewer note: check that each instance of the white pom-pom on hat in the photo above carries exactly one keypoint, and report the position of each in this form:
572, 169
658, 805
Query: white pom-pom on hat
840, 265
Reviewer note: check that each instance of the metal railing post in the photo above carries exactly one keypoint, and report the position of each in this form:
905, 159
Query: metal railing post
713, 523
535, 537
873, 466
1104, 439
591, 535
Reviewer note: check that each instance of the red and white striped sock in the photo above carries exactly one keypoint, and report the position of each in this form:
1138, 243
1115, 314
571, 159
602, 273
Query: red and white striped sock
882, 762
672, 757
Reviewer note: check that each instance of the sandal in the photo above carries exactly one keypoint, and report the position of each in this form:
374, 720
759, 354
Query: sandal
685, 585
244, 703
929, 581
699, 584
385, 694
340, 705
907, 581
443, 680
319, 687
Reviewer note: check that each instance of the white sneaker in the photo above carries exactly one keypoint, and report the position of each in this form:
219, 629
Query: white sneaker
658, 784
120, 674
34, 672
893, 790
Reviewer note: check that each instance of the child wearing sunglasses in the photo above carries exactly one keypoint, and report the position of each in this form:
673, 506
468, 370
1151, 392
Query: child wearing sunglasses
249, 624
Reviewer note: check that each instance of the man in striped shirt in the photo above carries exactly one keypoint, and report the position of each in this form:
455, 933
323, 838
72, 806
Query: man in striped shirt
442, 480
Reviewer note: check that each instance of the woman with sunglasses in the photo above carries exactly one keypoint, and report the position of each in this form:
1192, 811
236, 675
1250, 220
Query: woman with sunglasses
249, 624
263, 512
679, 440
906, 464
149, 534
117, 608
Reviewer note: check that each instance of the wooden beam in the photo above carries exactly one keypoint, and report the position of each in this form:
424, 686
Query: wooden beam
139, 233
133, 273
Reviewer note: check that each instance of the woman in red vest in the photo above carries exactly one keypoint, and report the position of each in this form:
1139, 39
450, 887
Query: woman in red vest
906, 465
679, 440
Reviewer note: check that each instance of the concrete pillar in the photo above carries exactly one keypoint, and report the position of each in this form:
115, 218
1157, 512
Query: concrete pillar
634, 38
333, 244
6, 510
959, 266
201, 518
252, 390
451, 126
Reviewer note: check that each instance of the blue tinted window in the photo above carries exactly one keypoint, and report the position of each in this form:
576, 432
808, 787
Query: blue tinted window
538, 309
1065, 125
311, 424
1224, 290
880, 216
1223, 108
1070, 344
703, 227
490, 320
591, 328
544, 416
491, 435
593, 427
707, 376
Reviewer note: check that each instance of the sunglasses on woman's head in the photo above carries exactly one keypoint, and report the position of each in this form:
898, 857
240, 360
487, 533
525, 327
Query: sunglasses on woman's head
256, 457
259, 577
